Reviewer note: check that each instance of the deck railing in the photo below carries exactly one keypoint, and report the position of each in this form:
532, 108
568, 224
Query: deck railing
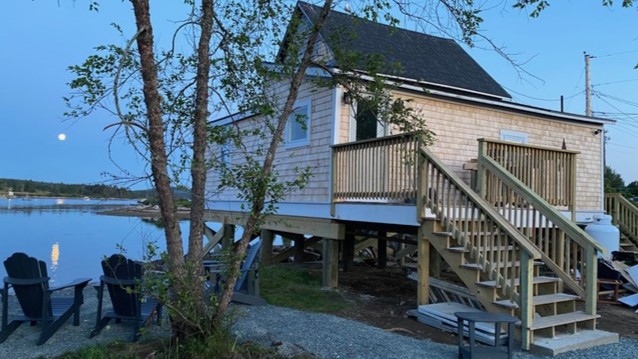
549, 172
504, 254
624, 214
566, 249
380, 169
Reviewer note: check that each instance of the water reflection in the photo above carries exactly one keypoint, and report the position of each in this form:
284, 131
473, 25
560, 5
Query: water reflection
55, 257
40, 228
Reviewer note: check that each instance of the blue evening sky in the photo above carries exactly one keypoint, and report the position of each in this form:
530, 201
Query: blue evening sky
41, 38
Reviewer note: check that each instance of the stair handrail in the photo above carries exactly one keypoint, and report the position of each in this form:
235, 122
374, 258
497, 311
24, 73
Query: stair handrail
624, 214
528, 253
480, 203
569, 276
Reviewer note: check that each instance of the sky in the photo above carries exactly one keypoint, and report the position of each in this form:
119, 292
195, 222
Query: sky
40, 39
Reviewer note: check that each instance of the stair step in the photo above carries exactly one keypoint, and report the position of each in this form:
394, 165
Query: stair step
553, 298
561, 319
442, 234
539, 300
536, 280
457, 249
583, 339
514, 264
474, 266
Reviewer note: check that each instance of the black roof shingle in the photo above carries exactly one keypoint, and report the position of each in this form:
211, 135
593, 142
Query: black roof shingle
421, 57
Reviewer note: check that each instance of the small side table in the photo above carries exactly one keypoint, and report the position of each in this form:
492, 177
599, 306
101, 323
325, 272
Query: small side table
492, 352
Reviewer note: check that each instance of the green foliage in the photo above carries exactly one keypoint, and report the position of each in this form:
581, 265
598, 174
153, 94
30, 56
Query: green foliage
298, 288
113, 350
22, 187
613, 181
632, 189
220, 345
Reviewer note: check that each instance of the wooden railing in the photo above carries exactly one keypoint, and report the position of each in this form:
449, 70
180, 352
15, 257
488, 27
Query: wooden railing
566, 249
549, 172
380, 169
624, 214
505, 255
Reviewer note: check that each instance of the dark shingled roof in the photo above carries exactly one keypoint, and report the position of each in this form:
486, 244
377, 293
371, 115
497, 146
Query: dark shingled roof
421, 57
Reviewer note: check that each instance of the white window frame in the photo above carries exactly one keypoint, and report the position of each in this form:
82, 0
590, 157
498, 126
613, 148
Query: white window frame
514, 136
307, 104
383, 127
225, 155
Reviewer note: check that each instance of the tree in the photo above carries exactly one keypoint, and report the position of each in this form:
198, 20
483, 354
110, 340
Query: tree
162, 101
613, 181
632, 189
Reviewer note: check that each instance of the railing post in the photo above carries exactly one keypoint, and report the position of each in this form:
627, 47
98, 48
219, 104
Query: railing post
591, 284
526, 289
572, 186
480, 173
333, 182
421, 184
616, 208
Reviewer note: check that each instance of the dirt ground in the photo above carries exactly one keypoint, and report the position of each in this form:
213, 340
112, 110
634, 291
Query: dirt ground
384, 296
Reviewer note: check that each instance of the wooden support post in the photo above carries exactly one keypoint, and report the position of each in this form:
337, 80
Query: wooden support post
267, 238
591, 278
527, 290
348, 252
330, 277
423, 245
481, 174
382, 250
299, 248
435, 263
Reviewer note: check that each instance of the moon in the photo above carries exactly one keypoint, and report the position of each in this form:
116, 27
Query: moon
62, 137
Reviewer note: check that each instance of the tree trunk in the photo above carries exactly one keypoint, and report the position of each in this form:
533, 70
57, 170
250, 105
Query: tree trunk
259, 198
159, 160
198, 164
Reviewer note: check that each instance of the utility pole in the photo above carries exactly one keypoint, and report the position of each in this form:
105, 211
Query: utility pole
587, 85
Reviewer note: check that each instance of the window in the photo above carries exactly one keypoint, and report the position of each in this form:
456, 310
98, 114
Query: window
298, 126
514, 136
225, 156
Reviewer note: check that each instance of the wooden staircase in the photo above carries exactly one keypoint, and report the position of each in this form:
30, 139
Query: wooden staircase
625, 215
499, 253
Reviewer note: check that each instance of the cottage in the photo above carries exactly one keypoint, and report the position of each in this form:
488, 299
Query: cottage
498, 192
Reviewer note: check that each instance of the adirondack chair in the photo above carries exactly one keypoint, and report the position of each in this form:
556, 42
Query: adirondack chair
246, 289
122, 278
28, 278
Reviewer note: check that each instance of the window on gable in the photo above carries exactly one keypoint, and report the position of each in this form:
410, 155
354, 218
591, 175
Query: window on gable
298, 126
514, 136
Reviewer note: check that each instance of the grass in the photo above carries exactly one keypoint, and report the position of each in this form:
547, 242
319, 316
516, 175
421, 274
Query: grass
282, 285
298, 288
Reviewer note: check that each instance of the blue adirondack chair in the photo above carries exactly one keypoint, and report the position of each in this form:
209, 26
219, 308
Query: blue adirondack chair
245, 291
122, 279
30, 282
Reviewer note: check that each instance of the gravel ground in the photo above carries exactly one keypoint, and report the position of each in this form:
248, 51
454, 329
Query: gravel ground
293, 332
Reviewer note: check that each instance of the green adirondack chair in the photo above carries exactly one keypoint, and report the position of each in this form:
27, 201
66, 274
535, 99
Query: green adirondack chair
30, 282
122, 279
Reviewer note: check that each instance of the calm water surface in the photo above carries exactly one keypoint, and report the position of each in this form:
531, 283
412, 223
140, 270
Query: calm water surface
70, 236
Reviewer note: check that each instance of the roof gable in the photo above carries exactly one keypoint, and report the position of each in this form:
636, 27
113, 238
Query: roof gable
408, 54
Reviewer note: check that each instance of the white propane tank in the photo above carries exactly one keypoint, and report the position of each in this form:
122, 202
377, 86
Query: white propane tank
605, 233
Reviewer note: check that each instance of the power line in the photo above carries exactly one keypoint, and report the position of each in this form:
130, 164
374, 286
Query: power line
615, 82
543, 99
619, 53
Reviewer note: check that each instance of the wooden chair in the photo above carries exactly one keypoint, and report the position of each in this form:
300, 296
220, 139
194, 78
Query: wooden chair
30, 282
246, 289
122, 278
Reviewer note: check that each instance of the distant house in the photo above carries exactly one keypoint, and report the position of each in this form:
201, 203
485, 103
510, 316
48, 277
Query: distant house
501, 187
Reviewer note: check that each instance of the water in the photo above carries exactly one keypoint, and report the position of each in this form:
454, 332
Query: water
71, 237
